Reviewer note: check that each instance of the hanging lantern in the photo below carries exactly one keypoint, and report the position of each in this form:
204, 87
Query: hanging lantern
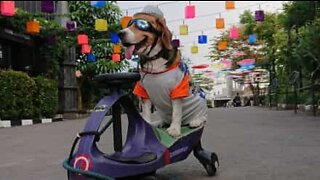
190, 11
98, 4
33, 27
252, 38
115, 38
51, 39
124, 21
101, 25
7, 8
219, 23
202, 39
115, 57
183, 29
85, 48
117, 48
47, 6
83, 39
234, 33
176, 42
71, 26
91, 58
230, 5
194, 49
222, 45
259, 15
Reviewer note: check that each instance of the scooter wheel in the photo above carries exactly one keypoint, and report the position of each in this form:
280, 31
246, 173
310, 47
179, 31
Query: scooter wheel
212, 167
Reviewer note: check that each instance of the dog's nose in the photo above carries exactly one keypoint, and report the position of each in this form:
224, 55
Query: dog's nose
121, 34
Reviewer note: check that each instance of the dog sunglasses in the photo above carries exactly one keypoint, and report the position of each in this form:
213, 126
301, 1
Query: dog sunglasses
142, 25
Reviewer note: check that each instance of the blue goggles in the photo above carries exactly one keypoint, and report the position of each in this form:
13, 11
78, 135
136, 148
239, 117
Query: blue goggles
142, 25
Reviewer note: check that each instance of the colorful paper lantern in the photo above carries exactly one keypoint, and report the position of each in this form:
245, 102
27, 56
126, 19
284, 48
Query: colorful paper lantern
115, 38
252, 38
222, 45
183, 29
117, 48
51, 39
219, 23
7, 8
190, 11
71, 26
91, 58
124, 21
47, 6
33, 27
234, 33
200, 66
230, 5
98, 4
202, 39
194, 49
115, 57
101, 25
259, 15
83, 39
85, 48
176, 42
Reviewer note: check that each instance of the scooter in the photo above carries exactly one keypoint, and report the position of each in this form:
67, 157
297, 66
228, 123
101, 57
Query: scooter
146, 148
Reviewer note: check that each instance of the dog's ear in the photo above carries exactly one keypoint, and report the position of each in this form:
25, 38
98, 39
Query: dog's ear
166, 34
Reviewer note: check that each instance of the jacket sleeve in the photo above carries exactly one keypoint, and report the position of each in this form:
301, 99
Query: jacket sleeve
140, 91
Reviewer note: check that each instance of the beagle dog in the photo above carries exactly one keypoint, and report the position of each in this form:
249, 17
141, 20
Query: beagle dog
165, 79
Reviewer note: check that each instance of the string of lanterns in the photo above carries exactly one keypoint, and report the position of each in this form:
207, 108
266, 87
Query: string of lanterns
101, 25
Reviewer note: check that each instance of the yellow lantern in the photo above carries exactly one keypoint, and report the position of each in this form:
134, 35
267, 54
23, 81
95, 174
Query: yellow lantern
33, 27
230, 5
220, 23
194, 49
117, 49
125, 20
101, 25
222, 45
183, 29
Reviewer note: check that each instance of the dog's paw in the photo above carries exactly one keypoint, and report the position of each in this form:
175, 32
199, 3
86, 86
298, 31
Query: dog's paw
174, 130
196, 123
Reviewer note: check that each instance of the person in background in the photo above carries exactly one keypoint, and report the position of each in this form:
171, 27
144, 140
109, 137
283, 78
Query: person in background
237, 100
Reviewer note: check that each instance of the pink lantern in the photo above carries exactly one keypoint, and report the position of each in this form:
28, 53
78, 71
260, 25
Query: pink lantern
7, 8
246, 62
190, 11
85, 48
83, 39
234, 33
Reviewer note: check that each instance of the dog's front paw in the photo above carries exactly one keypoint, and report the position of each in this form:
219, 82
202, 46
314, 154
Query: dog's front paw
196, 123
174, 130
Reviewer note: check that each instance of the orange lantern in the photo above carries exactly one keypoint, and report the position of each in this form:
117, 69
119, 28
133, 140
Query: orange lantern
222, 45
33, 27
194, 49
116, 48
115, 57
125, 20
86, 48
183, 29
220, 23
83, 39
7, 8
101, 25
230, 4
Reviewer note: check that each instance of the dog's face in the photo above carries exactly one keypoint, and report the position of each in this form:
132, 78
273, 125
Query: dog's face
145, 33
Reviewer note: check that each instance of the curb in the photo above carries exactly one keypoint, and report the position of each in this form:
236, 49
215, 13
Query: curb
26, 122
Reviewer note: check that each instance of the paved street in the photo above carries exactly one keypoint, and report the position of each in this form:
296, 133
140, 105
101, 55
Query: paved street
252, 143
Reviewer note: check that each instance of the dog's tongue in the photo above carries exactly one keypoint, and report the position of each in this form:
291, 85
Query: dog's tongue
129, 51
